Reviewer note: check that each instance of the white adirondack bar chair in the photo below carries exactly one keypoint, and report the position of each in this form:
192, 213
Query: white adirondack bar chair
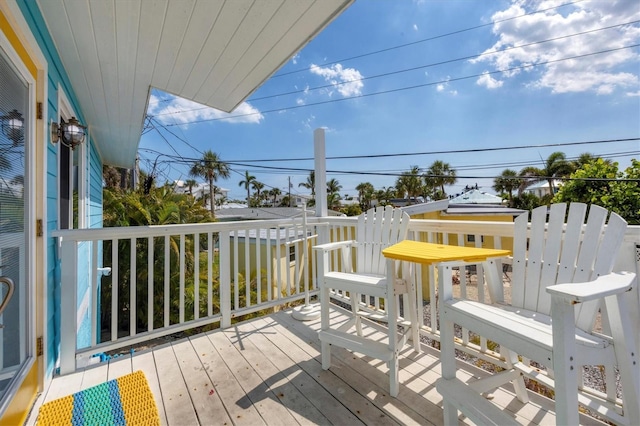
368, 275
562, 278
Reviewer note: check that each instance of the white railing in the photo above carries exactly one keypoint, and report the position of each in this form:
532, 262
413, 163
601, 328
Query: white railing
161, 261
185, 276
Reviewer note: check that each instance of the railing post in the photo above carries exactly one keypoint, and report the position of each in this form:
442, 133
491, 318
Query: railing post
320, 165
68, 305
224, 259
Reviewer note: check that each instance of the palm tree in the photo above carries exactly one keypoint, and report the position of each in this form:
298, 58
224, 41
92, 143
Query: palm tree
275, 192
333, 201
507, 182
365, 194
210, 167
409, 183
555, 166
333, 186
248, 180
440, 174
258, 187
190, 184
310, 184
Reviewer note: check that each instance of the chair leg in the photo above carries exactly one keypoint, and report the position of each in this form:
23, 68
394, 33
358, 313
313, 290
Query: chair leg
413, 316
447, 343
521, 390
394, 385
324, 325
564, 365
355, 307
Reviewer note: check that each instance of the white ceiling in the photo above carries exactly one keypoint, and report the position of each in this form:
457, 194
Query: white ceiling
215, 52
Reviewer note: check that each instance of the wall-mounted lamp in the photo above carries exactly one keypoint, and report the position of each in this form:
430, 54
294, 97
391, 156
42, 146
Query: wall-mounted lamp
71, 133
13, 127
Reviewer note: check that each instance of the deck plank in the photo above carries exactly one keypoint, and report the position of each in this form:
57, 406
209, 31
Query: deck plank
119, 367
94, 375
175, 396
334, 381
268, 371
317, 395
265, 401
370, 379
226, 386
207, 403
255, 351
145, 362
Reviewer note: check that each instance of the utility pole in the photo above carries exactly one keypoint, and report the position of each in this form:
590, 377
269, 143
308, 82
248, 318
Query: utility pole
289, 191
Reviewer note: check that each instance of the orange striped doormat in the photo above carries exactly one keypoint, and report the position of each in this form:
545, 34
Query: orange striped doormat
124, 401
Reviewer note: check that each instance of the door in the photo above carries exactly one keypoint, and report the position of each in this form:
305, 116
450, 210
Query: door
15, 318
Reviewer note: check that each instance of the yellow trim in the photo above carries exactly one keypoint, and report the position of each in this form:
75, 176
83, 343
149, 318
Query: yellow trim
22, 401
17, 46
18, 409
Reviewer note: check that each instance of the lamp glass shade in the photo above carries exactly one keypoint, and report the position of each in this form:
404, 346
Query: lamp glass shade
13, 126
73, 132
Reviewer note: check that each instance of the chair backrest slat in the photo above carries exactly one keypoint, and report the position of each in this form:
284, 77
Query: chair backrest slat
377, 229
551, 256
534, 258
554, 250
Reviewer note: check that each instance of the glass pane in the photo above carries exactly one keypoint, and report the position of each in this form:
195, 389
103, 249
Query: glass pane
14, 98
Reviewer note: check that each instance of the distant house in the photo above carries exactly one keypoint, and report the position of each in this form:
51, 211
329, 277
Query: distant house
229, 214
200, 190
475, 196
540, 189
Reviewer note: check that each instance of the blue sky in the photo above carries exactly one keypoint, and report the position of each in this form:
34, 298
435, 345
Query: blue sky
475, 75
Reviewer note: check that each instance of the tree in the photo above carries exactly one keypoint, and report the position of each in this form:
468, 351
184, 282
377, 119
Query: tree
365, 194
555, 166
257, 186
310, 184
507, 182
333, 186
190, 183
333, 201
211, 168
409, 183
247, 182
440, 174
617, 191
275, 192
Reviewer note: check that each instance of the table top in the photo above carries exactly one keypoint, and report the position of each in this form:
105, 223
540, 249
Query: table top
420, 252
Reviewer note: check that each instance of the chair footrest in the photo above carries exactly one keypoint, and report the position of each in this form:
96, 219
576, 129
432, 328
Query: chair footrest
472, 404
356, 343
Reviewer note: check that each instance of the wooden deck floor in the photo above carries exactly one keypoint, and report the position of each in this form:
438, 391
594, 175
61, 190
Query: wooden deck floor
267, 371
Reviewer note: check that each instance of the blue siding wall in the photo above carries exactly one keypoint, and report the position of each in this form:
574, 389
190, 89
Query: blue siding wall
57, 77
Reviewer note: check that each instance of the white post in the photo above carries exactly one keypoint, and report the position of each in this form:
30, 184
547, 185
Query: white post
68, 306
320, 164
225, 278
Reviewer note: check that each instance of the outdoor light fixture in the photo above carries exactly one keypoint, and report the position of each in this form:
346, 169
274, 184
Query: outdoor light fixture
13, 127
71, 133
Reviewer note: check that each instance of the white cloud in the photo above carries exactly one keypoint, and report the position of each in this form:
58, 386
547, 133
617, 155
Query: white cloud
183, 111
602, 74
489, 82
634, 94
295, 58
415, 27
347, 81
440, 87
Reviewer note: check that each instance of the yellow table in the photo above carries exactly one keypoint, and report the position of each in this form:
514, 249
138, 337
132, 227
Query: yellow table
441, 254
430, 253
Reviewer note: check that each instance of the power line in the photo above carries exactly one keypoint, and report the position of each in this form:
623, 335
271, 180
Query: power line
429, 39
405, 70
417, 86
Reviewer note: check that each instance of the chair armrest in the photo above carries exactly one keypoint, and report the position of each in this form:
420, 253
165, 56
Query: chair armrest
601, 287
334, 246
